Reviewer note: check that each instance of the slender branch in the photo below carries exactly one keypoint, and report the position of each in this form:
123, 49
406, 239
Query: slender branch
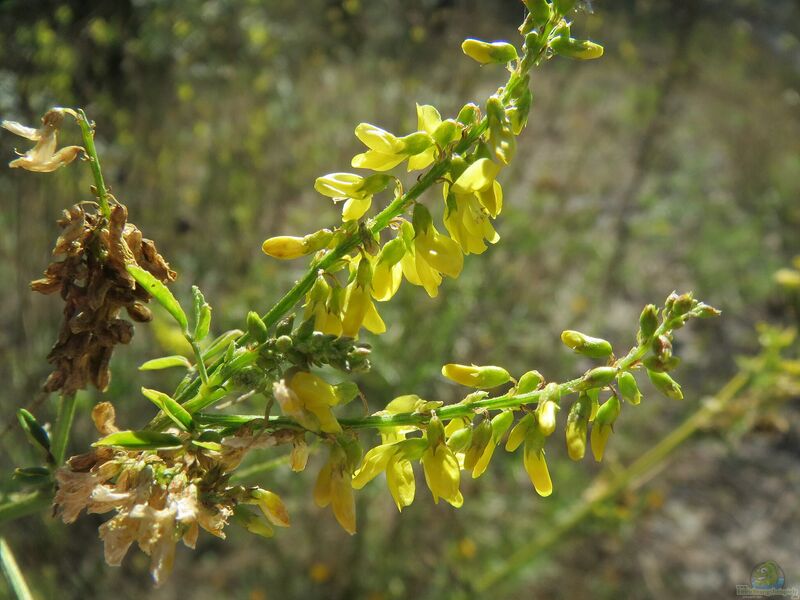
509, 400
12, 572
87, 129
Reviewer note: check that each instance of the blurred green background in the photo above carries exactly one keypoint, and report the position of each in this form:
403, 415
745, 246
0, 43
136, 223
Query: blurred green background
672, 163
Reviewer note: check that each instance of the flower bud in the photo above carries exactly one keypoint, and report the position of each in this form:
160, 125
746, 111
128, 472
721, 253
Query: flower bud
577, 426
582, 49
665, 384
285, 247
435, 431
520, 430
628, 388
548, 406
603, 426
597, 378
474, 376
460, 439
529, 382
562, 7
648, 322
468, 114
481, 437
256, 327
486, 52
539, 10
272, 507
586, 345
535, 464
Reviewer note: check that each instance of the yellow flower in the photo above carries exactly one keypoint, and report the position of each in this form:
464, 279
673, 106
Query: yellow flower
284, 246
388, 271
535, 464
392, 458
308, 399
271, 506
357, 191
43, 157
359, 310
429, 254
468, 222
428, 119
334, 487
324, 304
386, 150
603, 426
442, 474
479, 179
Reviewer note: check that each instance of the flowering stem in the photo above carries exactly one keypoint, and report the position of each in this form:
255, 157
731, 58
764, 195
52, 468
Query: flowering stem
604, 490
101, 191
531, 57
509, 400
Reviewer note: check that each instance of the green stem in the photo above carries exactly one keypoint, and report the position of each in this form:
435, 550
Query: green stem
509, 400
66, 414
12, 572
604, 490
94, 162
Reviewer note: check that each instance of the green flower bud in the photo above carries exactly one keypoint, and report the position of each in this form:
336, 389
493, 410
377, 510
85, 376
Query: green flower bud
540, 11
435, 431
283, 343
486, 52
500, 424
474, 376
648, 322
447, 132
577, 426
481, 437
665, 384
597, 378
594, 399
572, 48
586, 345
284, 326
628, 388
256, 327
468, 115
529, 382
661, 364
520, 430
460, 439
374, 184
519, 110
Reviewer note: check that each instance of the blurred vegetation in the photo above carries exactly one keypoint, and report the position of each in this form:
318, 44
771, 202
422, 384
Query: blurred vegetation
672, 163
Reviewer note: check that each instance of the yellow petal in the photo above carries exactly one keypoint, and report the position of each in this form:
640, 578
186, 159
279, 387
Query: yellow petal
492, 199
428, 118
343, 502
377, 161
400, 478
322, 488
354, 208
386, 280
536, 466
477, 177
378, 139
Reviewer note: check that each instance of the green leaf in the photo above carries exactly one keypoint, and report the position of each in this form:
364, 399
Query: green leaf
202, 315
160, 292
166, 362
171, 408
213, 446
141, 440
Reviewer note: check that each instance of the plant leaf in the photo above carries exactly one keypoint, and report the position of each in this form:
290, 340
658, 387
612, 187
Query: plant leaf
166, 362
160, 292
141, 440
171, 408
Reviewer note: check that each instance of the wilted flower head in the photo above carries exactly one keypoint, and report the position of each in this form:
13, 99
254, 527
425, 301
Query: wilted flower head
44, 157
